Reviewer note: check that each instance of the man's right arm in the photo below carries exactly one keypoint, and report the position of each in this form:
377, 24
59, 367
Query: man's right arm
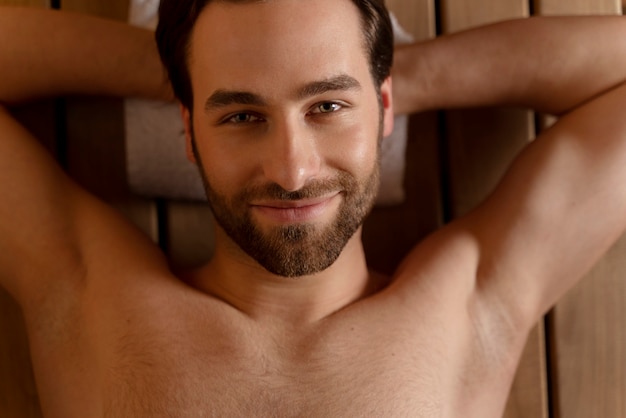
48, 53
51, 231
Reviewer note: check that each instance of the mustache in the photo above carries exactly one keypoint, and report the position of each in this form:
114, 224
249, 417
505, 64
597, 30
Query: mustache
313, 189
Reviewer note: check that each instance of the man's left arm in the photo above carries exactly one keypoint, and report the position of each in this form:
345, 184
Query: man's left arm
562, 203
559, 208
550, 64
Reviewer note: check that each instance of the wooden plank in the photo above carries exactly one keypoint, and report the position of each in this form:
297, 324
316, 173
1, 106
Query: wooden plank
112, 9
529, 392
95, 136
96, 158
389, 233
464, 14
589, 325
18, 392
29, 3
190, 236
481, 144
589, 343
415, 16
578, 7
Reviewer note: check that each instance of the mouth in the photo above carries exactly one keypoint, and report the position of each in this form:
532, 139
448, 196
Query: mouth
295, 211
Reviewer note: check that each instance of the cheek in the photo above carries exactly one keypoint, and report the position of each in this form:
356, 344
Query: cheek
225, 167
356, 149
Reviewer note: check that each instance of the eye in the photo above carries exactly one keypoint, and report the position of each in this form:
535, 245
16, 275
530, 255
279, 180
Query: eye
327, 107
242, 118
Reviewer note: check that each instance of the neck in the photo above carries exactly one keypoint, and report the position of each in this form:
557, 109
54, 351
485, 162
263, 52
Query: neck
235, 278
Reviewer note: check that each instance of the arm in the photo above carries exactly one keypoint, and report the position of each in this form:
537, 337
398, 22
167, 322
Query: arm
548, 64
52, 233
562, 203
49, 53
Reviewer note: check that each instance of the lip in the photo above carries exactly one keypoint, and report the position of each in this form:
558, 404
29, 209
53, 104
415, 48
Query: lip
294, 211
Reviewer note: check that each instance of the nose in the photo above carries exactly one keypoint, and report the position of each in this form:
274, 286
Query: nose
292, 157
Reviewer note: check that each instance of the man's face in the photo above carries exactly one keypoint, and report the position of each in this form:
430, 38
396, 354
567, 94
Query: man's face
286, 123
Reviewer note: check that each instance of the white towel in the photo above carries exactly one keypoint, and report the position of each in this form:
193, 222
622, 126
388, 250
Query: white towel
156, 160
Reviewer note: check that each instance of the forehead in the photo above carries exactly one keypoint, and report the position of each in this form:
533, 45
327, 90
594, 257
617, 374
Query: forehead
275, 44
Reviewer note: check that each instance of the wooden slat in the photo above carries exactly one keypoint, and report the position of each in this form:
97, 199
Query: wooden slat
589, 324
464, 14
96, 158
95, 136
415, 16
190, 236
529, 392
577, 7
481, 144
390, 232
589, 343
113, 9
29, 3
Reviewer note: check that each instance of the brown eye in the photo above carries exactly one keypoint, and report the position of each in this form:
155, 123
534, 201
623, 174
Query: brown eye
240, 118
328, 107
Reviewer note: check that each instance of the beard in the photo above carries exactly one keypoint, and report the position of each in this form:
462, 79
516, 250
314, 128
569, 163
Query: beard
300, 249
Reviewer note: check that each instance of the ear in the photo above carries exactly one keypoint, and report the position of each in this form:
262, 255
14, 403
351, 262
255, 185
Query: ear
387, 101
186, 115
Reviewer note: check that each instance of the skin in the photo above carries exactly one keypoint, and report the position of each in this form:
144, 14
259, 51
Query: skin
292, 145
442, 337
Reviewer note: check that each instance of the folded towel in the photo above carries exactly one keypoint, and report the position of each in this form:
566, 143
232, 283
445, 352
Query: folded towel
156, 160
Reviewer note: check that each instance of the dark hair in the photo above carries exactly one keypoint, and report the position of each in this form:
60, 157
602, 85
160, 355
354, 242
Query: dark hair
177, 19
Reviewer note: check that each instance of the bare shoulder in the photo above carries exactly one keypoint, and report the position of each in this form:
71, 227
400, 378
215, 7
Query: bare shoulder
441, 278
444, 264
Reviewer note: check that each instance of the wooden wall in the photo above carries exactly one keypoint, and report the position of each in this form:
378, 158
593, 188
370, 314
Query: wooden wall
588, 327
574, 364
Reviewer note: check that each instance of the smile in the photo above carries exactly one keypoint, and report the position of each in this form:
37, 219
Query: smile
294, 211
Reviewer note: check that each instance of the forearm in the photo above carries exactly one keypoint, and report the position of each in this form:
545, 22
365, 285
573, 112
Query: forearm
549, 64
47, 53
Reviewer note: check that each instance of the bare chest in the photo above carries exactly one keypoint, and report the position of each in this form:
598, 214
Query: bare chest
330, 378
178, 362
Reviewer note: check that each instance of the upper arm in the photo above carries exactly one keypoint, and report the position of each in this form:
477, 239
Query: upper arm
49, 227
559, 208
36, 211
52, 232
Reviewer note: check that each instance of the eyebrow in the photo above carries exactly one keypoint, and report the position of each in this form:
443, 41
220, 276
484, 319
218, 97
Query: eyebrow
222, 98
341, 82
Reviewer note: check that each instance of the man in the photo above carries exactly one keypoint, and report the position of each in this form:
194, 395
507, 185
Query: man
284, 111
